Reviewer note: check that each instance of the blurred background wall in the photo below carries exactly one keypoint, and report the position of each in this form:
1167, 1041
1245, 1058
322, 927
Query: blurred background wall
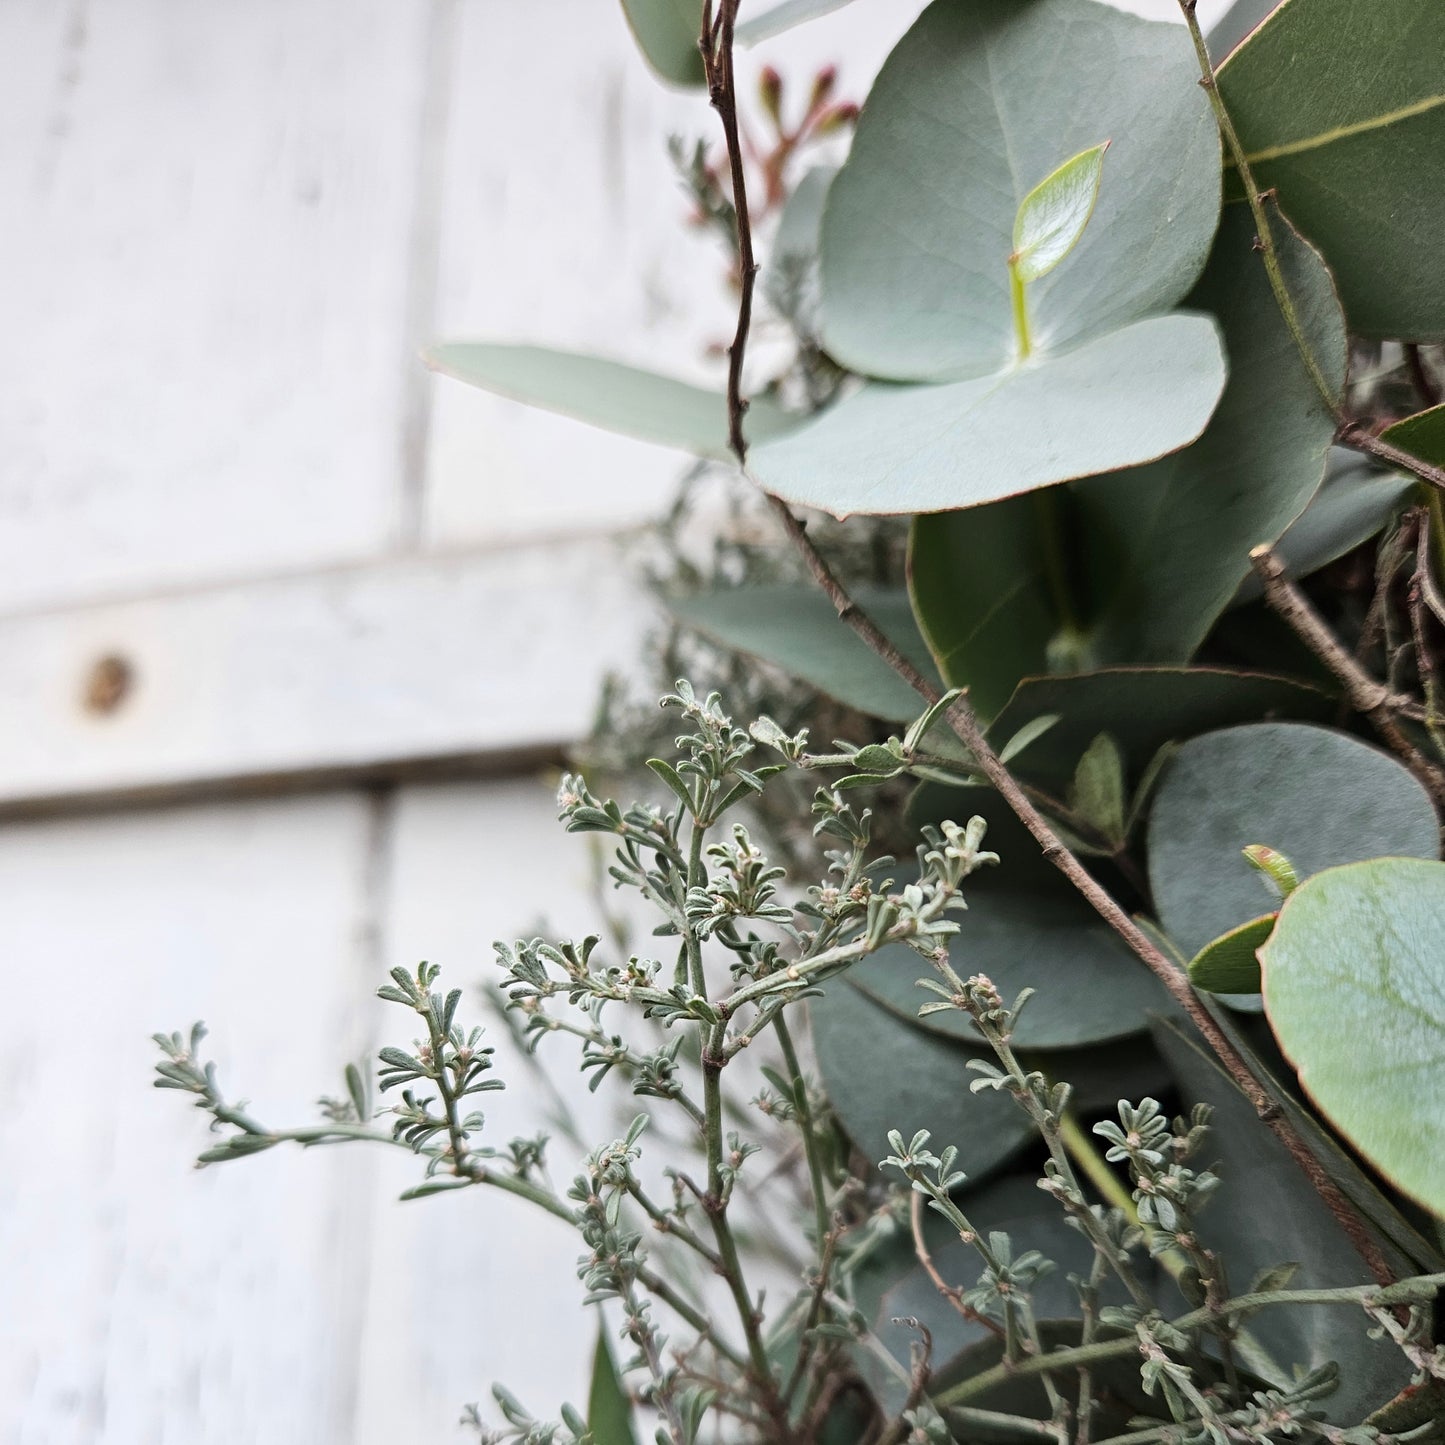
290, 632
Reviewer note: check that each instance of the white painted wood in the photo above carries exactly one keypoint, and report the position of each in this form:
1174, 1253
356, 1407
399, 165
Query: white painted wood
471, 864
141, 1302
387, 665
579, 240
208, 212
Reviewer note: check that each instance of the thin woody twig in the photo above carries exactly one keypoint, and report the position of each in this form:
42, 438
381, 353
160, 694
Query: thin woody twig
925, 1258
1359, 438
1369, 698
722, 91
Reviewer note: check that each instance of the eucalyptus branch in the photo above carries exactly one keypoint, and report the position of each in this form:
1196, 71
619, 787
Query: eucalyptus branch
1369, 698
1256, 200
1359, 438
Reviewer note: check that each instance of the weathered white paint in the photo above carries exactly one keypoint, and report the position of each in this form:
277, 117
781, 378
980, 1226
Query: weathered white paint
385, 666
208, 212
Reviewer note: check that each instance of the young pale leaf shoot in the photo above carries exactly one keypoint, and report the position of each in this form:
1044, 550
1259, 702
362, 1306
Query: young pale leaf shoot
1050, 221
1052, 217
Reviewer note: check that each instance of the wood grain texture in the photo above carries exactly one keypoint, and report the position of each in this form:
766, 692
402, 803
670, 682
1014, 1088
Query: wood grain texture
208, 216
381, 667
143, 1301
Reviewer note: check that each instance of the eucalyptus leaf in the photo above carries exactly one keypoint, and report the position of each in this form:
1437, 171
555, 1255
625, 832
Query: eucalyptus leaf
1142, 709
608, 394
1296, 1226
977, 104
1406, 1250
1340, 107
1422, 435
1097, 794
1166, 546
796, 629
1117, 400
977, 580
783, 17
1236, 23
1317, 796
1099, 1074
609, 1410
667, 32
1052, 217
1354, 986
793, 262
880, 1073
1228, 964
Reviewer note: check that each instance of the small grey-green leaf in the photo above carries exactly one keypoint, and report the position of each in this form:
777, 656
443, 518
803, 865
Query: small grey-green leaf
1052, 217
1097, 793
1229, 964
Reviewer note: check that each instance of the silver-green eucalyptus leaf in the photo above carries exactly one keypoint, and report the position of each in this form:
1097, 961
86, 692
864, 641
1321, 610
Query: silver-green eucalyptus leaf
976, 103
1122, 399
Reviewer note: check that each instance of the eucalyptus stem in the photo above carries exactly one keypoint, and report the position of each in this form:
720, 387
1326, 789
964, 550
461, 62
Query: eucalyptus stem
1371, 699
1267, 248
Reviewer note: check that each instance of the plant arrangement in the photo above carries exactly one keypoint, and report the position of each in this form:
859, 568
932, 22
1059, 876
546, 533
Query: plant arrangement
1137, 334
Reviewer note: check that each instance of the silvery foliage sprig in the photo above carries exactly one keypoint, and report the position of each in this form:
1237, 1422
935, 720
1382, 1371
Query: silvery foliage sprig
747, 948
1168, 1193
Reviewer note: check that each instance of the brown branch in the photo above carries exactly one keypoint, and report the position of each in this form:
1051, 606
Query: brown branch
1369, 698
1359, 438
952, 1294
722, 91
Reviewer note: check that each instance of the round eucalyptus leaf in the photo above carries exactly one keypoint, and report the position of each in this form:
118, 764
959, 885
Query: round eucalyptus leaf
1099, 1075
1317, 796
1114, 400
976, 105
1422, 435
880, 1073
1354, 988
1355, 500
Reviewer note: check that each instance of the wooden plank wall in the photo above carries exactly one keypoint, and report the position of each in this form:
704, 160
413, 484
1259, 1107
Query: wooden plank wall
227, 226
